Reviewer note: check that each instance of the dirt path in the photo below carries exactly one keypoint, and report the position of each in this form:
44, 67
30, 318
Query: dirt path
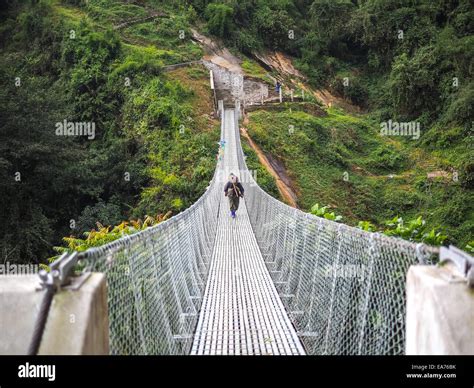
283, 65
285, 190
217, 54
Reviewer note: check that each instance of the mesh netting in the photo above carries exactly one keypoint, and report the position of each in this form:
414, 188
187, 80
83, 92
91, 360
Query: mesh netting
156, 279
343, 288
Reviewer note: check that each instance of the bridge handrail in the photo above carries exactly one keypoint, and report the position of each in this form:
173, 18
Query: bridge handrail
343, 287
422, 247
166, 266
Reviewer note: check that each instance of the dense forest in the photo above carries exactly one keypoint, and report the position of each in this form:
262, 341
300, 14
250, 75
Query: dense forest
153, 149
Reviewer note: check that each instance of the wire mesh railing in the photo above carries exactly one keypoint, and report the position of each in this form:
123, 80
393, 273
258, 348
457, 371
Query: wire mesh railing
156, 278
343, 288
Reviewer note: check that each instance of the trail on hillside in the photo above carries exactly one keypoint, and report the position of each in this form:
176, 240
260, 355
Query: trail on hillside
229, 76
282, 180
214, 53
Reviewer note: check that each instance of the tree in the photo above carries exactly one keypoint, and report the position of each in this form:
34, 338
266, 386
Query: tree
219, 19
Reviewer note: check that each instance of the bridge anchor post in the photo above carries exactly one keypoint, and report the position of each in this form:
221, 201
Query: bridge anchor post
440, 306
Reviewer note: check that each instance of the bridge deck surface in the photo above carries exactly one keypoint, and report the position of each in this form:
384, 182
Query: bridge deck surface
242, 312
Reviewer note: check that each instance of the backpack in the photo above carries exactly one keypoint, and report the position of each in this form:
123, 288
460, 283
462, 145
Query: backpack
234, 191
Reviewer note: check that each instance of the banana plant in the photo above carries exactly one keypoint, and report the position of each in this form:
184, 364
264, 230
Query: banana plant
470, 247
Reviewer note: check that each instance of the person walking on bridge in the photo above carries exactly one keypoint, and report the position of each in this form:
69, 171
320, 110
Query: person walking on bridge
233, 190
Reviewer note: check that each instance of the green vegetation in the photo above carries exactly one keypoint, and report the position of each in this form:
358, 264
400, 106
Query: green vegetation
341, 160
152, 150
470, 247
414, 230
102, 62
322, 211
254, 70
104, 234
219, 19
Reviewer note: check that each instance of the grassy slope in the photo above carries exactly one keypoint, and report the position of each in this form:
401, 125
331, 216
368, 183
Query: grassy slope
386, 176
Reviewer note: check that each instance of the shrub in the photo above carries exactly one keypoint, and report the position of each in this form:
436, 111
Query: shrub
219, 19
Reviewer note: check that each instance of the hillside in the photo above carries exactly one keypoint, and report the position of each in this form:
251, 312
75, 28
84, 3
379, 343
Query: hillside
369, 65
340, 160
349, 70
153, 148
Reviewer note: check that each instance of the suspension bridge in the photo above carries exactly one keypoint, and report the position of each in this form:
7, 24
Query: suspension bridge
274, 280
241, 311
